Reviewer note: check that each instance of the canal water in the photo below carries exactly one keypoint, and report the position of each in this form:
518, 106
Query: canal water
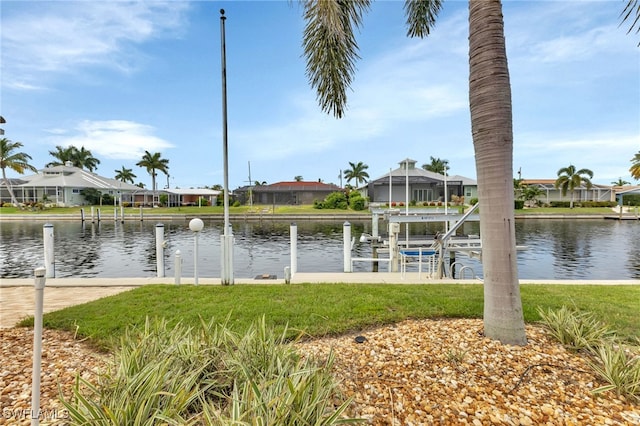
556, 248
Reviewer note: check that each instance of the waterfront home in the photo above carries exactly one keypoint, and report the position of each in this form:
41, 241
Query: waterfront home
423, 186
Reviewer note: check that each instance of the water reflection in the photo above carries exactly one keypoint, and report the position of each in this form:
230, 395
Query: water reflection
557, 249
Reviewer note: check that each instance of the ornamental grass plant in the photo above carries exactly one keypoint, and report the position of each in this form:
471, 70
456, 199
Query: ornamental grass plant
207, 374
616, 362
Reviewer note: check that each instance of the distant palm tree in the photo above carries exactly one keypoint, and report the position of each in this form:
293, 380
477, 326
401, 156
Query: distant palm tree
153, 162
437, 165
85, 160
635, 166
298, 178
357, 172
81, 158
125, 175
62, 154
531, 193
620, 182
16, 161
569, 179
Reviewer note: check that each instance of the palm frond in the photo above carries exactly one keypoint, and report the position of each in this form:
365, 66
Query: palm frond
421, 16
631, 12
331, 49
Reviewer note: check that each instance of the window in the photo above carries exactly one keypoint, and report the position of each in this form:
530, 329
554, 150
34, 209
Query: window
75, 191
420, 195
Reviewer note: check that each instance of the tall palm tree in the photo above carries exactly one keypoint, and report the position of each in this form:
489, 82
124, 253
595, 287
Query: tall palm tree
358, 172
125, 175
297, 178
331, 51
569, 178
16, 161
437, 165
153, 162
81, 158
635, 166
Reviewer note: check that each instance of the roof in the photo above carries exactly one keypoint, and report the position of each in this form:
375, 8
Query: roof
69, 176
193, 191
551, 184
635, 189
418, 173
298, 186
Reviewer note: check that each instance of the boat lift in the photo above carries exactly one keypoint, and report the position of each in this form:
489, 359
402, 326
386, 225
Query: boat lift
431, 252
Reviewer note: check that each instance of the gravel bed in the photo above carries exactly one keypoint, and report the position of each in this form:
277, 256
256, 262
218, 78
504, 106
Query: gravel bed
427, 372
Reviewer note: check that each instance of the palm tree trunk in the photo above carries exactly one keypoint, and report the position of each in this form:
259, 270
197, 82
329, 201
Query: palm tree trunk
491, 122
6, 181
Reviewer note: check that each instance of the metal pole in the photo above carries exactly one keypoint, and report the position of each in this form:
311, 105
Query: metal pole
227, 238
195, 259
49, 256
37, 345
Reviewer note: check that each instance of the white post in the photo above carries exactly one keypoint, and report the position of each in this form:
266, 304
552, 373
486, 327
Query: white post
49, 257
293, 238
140, 212
390, 185
446, 199
37, 345
406, 204
346, 243
121, 212
287, 275
394, 229
177, 267
374, 226
226, 259
160, 250
92, 217
196, 226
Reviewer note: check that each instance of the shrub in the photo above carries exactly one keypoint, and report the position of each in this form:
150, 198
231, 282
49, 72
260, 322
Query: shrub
236, 204
335, 200
518, 204
473, 201
356, 201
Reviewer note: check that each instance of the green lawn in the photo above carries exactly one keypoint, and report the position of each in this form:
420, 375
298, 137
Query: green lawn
330, 309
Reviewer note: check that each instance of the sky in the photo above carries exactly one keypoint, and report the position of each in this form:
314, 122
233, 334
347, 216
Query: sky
122, 77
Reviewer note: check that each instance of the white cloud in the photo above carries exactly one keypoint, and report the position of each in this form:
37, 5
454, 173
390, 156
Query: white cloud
115, 139
58, 37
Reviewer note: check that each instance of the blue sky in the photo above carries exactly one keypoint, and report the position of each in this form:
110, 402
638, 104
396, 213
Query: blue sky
120, 78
